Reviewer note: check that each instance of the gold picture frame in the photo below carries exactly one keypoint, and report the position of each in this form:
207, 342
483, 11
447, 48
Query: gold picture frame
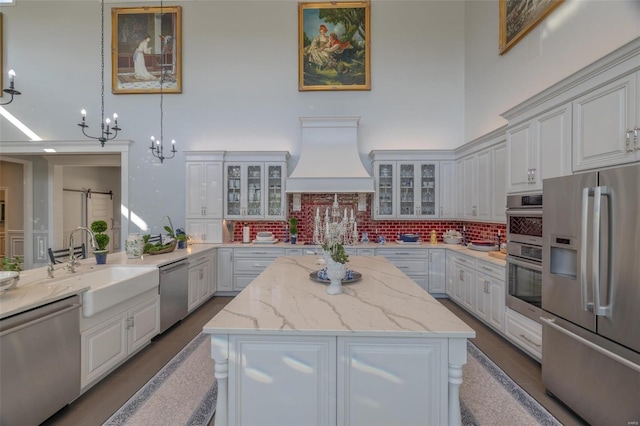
334, 46
518, 17
146, 49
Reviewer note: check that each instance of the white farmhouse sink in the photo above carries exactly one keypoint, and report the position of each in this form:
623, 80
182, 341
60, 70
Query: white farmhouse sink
116, 284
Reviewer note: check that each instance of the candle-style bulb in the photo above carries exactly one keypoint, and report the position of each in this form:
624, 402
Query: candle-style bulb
107, 121
173, 141
12, 76
84, 113
115, 118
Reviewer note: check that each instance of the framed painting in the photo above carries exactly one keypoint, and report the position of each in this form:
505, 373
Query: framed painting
518, 17
146, 49
334, 46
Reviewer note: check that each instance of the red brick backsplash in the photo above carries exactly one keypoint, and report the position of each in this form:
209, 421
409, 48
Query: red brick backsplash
389, 228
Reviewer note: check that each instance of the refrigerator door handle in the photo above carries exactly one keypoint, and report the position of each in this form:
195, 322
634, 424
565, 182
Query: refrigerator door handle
599, 191
551, 323
586, 305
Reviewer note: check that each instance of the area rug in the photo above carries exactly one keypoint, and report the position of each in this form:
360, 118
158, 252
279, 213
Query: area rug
184, 392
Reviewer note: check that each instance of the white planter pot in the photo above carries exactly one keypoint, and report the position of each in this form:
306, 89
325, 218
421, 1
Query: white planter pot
335, 272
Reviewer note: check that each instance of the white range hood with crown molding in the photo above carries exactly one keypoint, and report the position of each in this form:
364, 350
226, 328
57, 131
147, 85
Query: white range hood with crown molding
329, 161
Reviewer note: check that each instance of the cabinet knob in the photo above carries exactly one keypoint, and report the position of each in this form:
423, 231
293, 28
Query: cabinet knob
635, 139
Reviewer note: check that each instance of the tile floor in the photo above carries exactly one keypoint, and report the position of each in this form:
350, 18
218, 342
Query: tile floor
103, 399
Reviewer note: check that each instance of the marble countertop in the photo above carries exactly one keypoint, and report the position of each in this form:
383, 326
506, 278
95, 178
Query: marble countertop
283, 299
35, 288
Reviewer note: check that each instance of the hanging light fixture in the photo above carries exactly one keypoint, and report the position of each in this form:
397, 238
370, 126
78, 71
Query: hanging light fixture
11, 90
157, 145
108, 131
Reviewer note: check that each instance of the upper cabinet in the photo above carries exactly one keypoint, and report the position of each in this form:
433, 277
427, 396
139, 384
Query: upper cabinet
480, 179
409, 189
254, 185
606, 123
587, 121
538, 149
204, 196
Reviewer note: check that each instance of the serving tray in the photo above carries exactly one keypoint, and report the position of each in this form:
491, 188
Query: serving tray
409, 243
357, 276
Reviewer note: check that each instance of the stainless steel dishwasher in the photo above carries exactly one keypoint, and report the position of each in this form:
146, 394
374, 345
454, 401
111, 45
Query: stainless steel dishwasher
40, 362
174, 293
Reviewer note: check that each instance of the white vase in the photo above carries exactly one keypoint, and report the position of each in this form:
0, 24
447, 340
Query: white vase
336, 272
133, 245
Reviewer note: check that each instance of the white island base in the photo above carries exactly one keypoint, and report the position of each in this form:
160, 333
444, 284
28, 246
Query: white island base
382, 353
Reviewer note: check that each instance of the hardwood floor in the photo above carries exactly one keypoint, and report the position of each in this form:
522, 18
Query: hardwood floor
102, 400
522, 369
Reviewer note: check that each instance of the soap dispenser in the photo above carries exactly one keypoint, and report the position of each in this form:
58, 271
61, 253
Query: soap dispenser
434, 238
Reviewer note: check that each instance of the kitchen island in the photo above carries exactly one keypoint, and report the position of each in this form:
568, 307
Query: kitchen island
383, 352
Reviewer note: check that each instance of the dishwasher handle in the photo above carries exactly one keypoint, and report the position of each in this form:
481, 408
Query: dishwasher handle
172, 267
40, 319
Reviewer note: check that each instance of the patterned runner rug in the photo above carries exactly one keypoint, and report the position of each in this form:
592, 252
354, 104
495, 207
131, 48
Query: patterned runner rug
184, 392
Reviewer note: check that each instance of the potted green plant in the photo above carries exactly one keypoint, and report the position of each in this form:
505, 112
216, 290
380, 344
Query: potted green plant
293, 229
336, 258
98, 228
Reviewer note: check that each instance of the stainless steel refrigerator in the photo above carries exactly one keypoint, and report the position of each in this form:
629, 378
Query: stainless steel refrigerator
591, 294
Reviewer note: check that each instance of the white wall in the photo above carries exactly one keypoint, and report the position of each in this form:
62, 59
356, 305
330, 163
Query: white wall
437, 79
240, 88
575, 34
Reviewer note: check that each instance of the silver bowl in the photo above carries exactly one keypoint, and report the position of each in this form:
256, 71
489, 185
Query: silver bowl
8, 279
452, 240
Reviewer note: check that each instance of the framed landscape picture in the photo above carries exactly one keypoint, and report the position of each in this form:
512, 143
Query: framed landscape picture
333, 46
146, 49
518, 17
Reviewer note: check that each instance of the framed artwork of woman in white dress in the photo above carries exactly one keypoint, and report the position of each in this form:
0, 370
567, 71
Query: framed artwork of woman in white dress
146, 49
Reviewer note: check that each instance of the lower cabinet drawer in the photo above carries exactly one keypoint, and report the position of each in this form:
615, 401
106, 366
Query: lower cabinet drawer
241, 281
524, 332
495, 271
412, 266
251, 265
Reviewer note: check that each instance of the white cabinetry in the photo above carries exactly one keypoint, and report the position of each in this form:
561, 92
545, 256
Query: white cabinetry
524, 333
410, 189
437, 271
606, 123
480, 178
499, 183
448, 189
414, 262
248, 263
204, 196
225, 270
538, 149
254, 185
413, 377
335, 375
113, 335
491, 294
200, 275
307, 362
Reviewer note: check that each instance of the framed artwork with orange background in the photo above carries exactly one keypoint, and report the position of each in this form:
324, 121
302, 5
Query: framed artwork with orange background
334, 46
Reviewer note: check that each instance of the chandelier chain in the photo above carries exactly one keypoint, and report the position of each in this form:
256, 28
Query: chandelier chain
102, 66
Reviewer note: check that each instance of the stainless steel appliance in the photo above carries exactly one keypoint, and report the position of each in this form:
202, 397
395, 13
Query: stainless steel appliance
524, 254
174, 293
591, 294
40, 362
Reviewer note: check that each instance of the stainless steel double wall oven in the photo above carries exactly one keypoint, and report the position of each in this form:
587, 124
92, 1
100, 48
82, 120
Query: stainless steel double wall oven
524, 254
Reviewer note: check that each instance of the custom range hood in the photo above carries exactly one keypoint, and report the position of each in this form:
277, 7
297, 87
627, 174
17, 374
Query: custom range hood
329, 161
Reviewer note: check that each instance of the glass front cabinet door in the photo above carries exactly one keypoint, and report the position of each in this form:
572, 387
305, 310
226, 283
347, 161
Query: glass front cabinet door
255, 191
385, 205
427, 196
233, 189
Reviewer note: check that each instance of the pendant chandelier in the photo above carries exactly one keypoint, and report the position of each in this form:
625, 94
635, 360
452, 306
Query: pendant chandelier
157, 145
108, 131
11, 90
